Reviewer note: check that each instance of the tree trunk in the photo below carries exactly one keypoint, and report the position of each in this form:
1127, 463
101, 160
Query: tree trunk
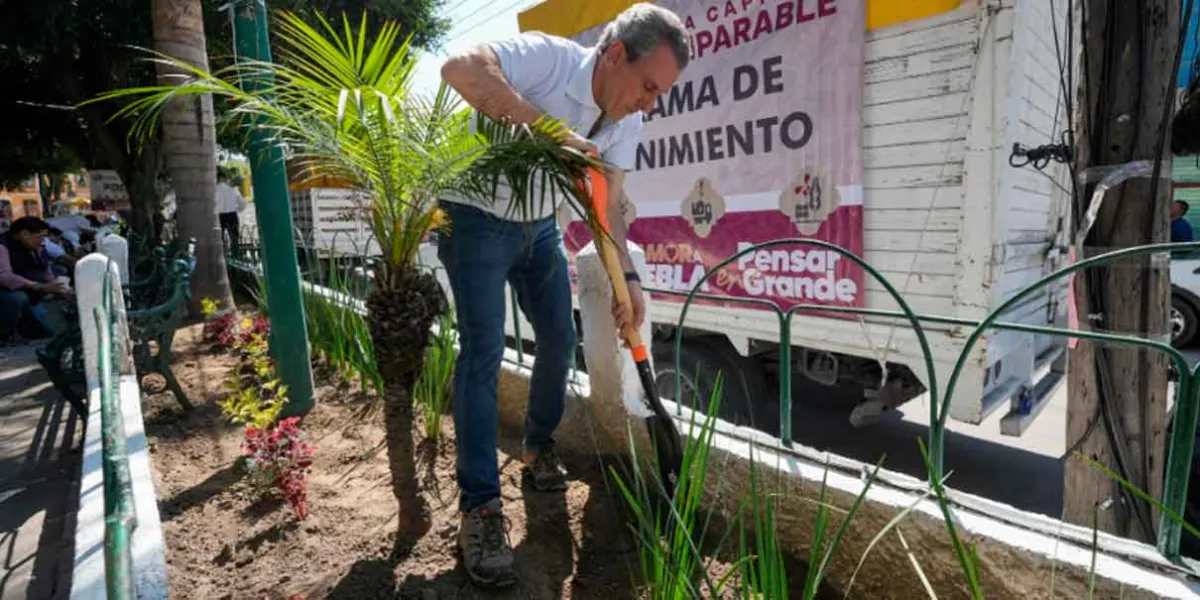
189, 148
400, 317
140, 179
44, 192
1122, 118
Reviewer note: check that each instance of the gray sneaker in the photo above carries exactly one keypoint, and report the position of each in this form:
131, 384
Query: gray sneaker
544, 471
483, 542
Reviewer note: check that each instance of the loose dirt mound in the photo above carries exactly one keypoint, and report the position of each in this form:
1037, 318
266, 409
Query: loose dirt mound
224, 540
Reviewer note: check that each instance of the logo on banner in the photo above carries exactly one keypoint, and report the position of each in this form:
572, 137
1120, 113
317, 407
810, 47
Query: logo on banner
809, 200
703, 207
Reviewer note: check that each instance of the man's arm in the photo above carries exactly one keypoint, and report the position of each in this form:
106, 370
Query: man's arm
622, 157
9, 280
477, 77
616, 220
489, 77
628, 318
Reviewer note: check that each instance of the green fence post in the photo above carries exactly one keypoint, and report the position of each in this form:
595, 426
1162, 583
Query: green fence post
1179, 462
289, 337
785, 379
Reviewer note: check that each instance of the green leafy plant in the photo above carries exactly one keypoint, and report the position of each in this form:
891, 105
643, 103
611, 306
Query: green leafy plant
208, 307
436, 386
670, 531
674, 535
255, 394
338, 333
279, 457
341, 101
968, 558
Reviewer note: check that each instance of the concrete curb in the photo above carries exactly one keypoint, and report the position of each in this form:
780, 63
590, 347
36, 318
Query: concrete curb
147, 546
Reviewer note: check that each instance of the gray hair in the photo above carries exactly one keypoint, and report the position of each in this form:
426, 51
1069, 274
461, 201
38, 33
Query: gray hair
642, 28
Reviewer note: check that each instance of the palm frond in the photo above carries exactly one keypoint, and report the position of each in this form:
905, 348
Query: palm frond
342, 105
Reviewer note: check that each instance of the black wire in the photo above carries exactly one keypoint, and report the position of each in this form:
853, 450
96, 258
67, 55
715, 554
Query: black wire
1096, 280
490, 18
1039, 157
454, 7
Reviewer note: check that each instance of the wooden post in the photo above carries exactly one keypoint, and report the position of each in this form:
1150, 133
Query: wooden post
1126, 99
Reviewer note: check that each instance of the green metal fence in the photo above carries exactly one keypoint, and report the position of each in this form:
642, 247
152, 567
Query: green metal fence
1187, 391
119, 517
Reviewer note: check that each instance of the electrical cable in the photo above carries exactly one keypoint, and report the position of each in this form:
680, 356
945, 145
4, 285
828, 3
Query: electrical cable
454, 7
1113, 426
492, 17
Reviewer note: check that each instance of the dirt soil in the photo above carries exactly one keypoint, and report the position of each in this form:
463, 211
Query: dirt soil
225, 540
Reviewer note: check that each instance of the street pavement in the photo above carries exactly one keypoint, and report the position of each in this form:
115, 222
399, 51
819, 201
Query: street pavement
1025, 472
37, 468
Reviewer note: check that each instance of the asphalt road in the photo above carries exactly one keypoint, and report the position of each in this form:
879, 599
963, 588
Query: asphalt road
983, 461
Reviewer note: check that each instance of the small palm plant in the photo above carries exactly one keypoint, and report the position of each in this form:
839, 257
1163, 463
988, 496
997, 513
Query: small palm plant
343, 106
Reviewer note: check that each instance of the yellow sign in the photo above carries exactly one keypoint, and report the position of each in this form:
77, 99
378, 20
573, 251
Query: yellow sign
566, 18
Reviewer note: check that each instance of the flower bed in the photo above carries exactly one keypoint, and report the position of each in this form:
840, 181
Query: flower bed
228, 538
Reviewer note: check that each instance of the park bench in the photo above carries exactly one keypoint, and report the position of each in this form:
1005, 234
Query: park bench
155, 310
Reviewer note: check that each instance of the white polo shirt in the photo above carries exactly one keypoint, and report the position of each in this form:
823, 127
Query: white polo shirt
555, 75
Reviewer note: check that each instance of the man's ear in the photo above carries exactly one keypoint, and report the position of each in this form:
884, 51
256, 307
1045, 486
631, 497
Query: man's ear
616, 53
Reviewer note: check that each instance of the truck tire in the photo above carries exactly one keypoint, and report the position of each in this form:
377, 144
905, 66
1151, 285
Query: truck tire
743, 384
1183, 320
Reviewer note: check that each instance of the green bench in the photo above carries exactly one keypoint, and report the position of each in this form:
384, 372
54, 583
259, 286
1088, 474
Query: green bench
155, 308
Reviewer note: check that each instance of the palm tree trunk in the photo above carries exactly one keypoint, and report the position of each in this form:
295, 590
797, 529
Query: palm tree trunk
400, 316
189, 148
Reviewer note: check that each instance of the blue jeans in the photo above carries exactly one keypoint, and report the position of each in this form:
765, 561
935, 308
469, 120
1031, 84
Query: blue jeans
481, 253
19, 314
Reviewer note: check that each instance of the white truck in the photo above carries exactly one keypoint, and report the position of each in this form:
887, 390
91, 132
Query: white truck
328, 222
950, 87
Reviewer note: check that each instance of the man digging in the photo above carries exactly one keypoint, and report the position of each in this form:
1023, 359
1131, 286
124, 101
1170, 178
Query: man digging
600, 93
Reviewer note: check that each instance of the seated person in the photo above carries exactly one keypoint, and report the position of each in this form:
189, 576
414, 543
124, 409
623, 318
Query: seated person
26, 281
60, 253
71, 225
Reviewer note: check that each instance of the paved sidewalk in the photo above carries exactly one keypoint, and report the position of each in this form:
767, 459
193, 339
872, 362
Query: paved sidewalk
37, 492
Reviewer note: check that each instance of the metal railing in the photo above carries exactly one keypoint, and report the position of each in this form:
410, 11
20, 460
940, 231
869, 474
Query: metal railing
119, 516
1187, 392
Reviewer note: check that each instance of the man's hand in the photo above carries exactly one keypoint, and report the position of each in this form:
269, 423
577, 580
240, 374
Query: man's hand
51, 288
629, 317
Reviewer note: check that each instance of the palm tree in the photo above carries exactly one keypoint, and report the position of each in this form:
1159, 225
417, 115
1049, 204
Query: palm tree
343, 107
189, 146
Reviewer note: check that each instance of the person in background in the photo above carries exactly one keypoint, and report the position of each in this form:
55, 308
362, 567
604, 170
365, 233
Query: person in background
1181, 230
26, 281
72, 227
60, 253
229, 203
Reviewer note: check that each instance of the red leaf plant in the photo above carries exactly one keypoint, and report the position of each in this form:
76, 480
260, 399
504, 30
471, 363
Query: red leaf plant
280, 457
231, 331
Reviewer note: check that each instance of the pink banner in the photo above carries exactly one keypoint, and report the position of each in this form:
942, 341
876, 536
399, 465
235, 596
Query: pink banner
759, 140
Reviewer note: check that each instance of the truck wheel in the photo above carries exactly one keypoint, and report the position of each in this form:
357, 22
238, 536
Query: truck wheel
1183, 322
699, 364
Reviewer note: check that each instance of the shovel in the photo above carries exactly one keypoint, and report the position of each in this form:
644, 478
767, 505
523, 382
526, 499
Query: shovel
663, 433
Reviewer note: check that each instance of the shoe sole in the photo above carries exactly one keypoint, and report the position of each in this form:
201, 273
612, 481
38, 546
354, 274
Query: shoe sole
491, 584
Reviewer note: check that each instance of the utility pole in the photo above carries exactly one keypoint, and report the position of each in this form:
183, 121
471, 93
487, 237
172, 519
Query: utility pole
285, 301
1116, 414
